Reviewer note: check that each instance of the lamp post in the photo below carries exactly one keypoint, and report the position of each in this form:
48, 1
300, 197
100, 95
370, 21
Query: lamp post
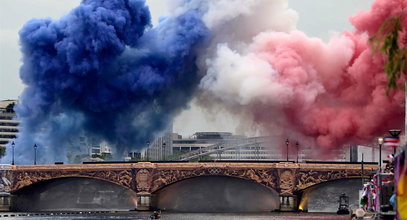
395, 133
297, 145
286, 143
12, 150
35, 154
147, 150
363, 181
380, 141
163, 151
257, 152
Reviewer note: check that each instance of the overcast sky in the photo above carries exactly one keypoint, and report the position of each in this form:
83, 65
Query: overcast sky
318, 18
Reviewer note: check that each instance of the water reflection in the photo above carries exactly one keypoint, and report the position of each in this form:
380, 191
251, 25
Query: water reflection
182, 216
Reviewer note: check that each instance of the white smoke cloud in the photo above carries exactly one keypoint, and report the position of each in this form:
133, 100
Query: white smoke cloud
233, 76
241, 78
237, 20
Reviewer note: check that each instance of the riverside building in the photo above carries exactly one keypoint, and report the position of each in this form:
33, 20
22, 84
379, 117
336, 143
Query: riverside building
8, 124
173, 146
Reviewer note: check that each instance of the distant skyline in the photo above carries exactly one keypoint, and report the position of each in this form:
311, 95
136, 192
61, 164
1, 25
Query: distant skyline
317, 18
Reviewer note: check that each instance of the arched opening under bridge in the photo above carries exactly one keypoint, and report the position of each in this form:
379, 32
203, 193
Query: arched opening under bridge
323, 197
215, 194
73, 193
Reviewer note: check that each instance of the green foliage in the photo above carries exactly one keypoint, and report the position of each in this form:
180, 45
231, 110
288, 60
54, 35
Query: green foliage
386, 42
177, 154
103, 156
206, 157
201, 158
135, 159
10, 107
74, 159
2, 151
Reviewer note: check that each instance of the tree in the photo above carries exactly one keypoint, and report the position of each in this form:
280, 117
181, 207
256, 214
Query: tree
388, 42
10, 108
2, 151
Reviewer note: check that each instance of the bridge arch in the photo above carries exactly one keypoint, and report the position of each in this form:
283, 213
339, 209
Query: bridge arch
20, 186
324, 196
326, 182
265, 177
73, 193
215, 193
23, 179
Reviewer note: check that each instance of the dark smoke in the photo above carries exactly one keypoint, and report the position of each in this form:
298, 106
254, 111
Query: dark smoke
103, 72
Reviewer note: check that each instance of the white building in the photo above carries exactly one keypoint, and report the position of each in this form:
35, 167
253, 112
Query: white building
102, 151
160, 149
260, 148
264, 148
198, 140
8, 124
255, 149
369, 153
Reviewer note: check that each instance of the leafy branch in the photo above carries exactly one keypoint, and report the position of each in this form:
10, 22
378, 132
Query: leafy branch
387, 42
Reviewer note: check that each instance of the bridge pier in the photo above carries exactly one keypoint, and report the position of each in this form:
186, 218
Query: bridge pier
5, 201
143, 201
5, 185
288, 203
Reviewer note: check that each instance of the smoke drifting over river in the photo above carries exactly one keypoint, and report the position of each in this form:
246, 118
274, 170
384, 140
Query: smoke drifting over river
104, 72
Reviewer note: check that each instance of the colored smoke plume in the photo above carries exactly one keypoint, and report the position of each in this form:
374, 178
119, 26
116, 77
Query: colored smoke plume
104, 73
287, 84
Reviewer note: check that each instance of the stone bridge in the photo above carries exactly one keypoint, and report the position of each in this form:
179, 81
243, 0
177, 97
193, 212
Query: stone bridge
146, 178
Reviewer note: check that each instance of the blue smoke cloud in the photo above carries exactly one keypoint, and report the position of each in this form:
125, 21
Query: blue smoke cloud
103, 72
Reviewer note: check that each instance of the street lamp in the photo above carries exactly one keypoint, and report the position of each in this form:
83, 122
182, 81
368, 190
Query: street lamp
257, 152
286, 143
12, 148
163, 150
35, 154
363, 181
297, 145
147, 150
380, 141
395, 133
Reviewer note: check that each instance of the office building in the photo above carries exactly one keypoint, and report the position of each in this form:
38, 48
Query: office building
8, 124
102, 151
159, 149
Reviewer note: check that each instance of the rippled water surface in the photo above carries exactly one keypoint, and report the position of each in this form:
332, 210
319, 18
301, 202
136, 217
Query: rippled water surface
182, 216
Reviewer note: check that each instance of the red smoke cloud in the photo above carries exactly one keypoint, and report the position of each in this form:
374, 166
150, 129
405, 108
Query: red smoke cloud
327, 95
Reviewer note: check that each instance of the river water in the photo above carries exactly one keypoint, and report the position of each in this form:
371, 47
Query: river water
178, 216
